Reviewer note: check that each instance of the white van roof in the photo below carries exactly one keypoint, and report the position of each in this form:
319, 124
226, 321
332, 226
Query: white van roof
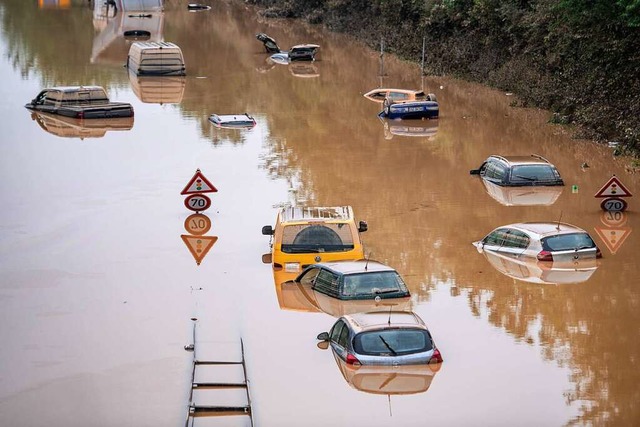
151, 46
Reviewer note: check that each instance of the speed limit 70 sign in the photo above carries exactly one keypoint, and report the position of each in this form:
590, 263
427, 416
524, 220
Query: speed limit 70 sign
197, 202
613, 204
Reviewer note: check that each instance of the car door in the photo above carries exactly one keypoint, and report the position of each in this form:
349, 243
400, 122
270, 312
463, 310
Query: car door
339, 336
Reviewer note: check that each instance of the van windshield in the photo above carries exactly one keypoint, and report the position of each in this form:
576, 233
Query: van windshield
317, 238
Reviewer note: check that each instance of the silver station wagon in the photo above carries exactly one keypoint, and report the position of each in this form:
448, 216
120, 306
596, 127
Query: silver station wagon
391, 338
546, 241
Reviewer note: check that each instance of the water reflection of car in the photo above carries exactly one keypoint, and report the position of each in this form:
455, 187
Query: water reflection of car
519, 171
354, 280
544, 241
307, 235
389, 379
304, 69
68, 127
392, 338
158, 89
422, 129
523, 196
543, 272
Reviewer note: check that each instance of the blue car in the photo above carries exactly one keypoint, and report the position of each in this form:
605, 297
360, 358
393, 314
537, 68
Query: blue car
418, 109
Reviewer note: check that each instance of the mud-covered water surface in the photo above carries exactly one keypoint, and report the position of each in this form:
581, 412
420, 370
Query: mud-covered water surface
99, 279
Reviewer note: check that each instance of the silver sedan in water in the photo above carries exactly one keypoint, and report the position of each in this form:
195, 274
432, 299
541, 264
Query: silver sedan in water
381, 338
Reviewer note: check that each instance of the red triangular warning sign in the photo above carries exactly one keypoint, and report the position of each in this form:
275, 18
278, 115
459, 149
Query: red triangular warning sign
613, 237
198, 245
613, 188
199, 184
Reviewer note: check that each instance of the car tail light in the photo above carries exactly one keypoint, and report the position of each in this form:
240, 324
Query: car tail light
598, 252
545, 256
437, 357
81, 115
291, 267
352, 360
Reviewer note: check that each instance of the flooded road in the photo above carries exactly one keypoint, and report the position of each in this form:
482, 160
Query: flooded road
97, 287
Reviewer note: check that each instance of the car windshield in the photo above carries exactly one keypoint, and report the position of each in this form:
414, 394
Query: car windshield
392, 342
374, 283
304, 238
568, 242
534, 173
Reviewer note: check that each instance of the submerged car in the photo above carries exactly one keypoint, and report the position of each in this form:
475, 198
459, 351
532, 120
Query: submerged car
392, 338
79, 102
519, 171
301, 52
545, 241
354, 280
296, 296
410, 110
232, 121
270, 45
306, 235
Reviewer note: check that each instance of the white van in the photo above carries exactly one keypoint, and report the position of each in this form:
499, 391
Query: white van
156, 58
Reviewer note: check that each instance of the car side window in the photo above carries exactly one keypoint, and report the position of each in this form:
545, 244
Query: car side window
327, 282
309, 277
334, 335
343, 339
497, 237
398, 96
495, 171
516, 239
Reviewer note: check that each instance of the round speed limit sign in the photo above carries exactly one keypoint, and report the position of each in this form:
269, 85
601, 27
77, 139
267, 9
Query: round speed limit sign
197, 202
613, 204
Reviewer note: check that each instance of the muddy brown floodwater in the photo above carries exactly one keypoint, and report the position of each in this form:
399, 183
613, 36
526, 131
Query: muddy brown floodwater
97, 286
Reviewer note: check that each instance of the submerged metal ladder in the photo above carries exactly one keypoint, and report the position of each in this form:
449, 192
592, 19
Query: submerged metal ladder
196, 410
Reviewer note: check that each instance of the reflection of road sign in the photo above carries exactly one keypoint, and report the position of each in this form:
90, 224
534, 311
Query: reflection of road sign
613, 219
199, 245
197, 224
197, 202
613, 188
199, 184
613, 237
613, 204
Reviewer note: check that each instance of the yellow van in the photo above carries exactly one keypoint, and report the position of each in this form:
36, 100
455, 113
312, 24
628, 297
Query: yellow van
307, 235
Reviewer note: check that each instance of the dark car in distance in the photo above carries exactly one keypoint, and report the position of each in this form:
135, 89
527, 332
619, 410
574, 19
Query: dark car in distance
518, 171
354, 280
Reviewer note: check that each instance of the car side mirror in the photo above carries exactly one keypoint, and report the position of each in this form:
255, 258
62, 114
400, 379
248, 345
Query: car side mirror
474, 172
363, 226
266, 258
323, 336
267, 230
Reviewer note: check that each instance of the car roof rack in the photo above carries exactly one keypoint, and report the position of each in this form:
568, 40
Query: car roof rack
497, 156
538, 156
